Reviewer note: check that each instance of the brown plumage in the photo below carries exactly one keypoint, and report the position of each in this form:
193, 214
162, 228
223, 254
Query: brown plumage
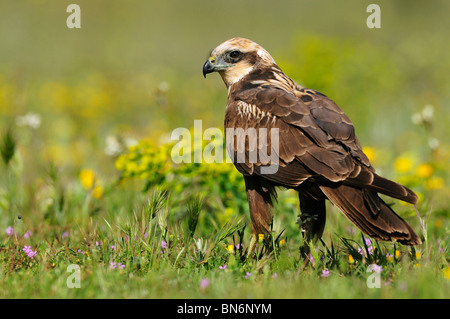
318, 153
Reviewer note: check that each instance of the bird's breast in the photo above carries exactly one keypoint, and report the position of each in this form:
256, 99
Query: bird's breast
252, 114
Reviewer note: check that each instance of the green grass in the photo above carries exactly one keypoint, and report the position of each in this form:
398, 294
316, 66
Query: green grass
165, 258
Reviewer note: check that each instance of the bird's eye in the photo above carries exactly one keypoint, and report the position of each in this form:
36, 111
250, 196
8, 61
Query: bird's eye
235, 54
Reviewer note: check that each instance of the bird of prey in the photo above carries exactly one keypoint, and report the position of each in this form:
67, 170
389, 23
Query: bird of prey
318, 153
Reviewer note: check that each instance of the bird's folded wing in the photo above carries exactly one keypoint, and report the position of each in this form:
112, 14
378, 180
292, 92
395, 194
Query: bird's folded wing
313, 131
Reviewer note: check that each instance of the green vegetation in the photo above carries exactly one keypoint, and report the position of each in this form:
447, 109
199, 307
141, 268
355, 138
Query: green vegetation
86, 175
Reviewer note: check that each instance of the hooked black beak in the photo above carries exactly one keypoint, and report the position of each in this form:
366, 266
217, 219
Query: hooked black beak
208, 67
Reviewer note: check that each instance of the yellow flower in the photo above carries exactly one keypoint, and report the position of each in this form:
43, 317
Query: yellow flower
389, 258
131, 167
282, 242
230, 248
351, 260
403, 164
418, 255
260, 237
434, 183
397, 254
424, 170
446, 272
97, 192
370, 153
87, 177
120, 162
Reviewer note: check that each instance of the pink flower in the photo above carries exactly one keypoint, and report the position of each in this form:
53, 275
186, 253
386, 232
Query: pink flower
377, 269
369, 249
204, 283
27, 234
247, 275
114, 265
30, 253
223, 267
163, 246
350, 230
9, 231
325, 273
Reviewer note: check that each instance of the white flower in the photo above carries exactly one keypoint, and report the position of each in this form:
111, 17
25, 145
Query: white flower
433, 143
31, 120
416, 118
427, 113
425, 116
129, 141
113, 146
163, 87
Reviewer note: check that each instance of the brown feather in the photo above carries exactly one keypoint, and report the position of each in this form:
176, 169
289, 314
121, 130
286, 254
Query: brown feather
260, 198
386, 225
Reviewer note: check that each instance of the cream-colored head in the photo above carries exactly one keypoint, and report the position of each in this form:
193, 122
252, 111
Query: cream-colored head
235, 58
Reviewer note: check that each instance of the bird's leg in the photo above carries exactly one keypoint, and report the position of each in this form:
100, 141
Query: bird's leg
311, 221
305, 225
259, 200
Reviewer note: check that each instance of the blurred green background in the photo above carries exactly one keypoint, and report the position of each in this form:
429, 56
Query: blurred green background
133, 70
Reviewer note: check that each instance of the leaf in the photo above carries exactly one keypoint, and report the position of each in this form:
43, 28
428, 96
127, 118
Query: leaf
228, 229
158, 199
7, 147
194, 207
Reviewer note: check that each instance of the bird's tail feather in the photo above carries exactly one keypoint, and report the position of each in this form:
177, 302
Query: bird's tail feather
358, 207
370, 180
393, 189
